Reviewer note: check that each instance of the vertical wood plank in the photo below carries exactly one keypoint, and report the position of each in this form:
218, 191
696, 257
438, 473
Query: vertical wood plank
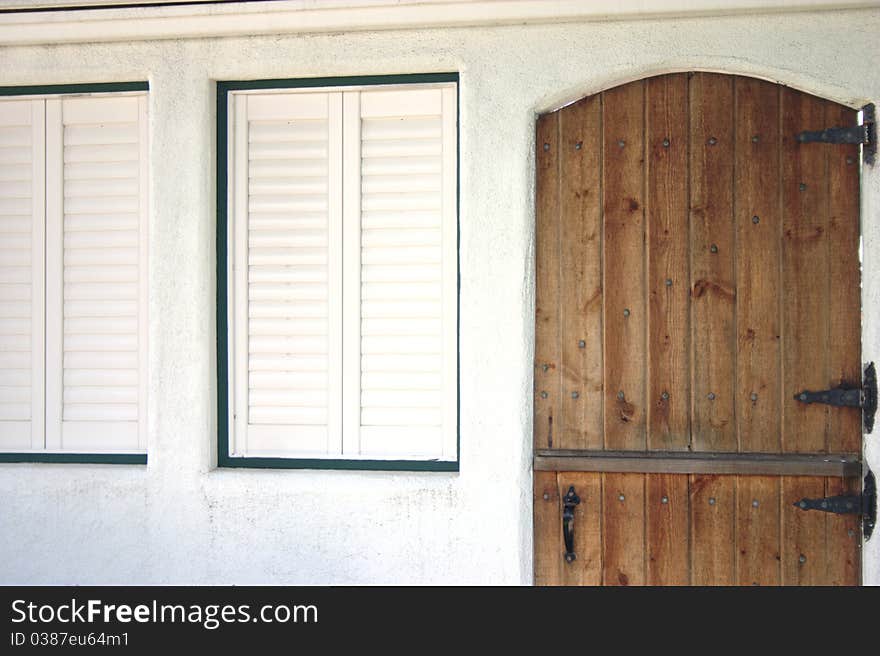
805, 273
624, 264
546, 280
713, 516
668, 401
757, 530
587, 568
758, 220
842, 537
844, 302
803, 533
666, 519
547, 509
579, 416
713, 344
623, 529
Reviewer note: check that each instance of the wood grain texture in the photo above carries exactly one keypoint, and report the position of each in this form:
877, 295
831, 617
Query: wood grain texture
843, 534
579, 415
623, 529
758, 551
805, 274
713, 292
547, 511
667, 512
668, 401
546, 391
713, 517
844, 280
803, 533
624, 265
757, 217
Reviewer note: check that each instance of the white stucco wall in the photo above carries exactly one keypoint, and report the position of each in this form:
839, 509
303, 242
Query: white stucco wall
180, 520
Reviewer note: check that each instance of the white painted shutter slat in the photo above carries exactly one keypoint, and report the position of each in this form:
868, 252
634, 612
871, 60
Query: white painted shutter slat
21, 274
405, 153
101, 192
285, 208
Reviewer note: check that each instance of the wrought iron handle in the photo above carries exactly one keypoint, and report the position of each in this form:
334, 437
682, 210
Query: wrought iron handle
569, 501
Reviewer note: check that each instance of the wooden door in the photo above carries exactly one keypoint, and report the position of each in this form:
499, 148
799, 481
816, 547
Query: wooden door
697, 267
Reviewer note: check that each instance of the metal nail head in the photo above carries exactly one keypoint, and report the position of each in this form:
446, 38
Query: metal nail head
669, 282
621, 143
850, 160
621, 497
712, 141
666, 143
574, 395
713, 248
664, 500
578, 145
711, 501
543, 395
665, 396
754, 397
546, 497
802, 558
802, 186
754, 138
546, 146
755, 219
754, 503
581, 343
711, 396
545, 367
626, 312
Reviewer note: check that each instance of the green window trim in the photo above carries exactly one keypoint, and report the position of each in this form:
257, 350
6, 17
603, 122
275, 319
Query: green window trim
223, 457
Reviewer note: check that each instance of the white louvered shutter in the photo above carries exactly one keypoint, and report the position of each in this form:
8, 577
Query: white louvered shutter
96, 276
21, 274
406, 178
285, 252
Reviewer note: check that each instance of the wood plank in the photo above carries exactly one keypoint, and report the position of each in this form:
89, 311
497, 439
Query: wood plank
666, 517
758, 223
587, 567
546, 374
673, 462
844, 302
623, 529
757, 530
668, 295
547, 509
624, 266
579, 415
803, 533
713, 328
805, 274
843, 537
712, 501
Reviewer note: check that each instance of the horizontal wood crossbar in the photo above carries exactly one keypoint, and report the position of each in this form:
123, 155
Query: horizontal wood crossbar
666, 462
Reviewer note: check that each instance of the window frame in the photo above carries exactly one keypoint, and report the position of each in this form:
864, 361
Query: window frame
59, 91
224, 459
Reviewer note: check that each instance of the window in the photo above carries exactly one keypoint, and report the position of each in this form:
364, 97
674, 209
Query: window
338, 273
73, 200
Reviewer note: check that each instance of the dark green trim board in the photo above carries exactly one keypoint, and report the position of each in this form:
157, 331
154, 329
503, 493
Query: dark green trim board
74, 458
77, 458
98, 87
223, 457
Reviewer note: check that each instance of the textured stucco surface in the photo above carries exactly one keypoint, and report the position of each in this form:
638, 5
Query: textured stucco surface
180, 520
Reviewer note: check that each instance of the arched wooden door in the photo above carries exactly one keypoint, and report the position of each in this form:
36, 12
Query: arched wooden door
697, 267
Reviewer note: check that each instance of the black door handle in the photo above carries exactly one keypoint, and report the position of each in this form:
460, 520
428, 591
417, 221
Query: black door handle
569, 501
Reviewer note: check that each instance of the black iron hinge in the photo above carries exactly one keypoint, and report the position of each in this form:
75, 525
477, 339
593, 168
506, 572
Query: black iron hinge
864, 134
864, 504
864, 398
